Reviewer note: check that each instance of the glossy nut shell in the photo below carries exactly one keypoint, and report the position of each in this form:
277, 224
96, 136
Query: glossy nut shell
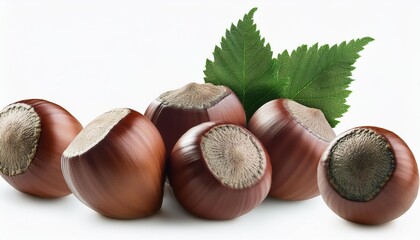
294, 151
44, 177
199, 191
122, 176
394, 199
172, 122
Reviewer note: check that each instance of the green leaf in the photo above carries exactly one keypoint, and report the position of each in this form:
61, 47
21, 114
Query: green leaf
320, 77
317, 77
245, 64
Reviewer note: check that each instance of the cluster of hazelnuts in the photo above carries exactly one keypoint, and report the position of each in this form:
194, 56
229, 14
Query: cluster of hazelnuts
217, 165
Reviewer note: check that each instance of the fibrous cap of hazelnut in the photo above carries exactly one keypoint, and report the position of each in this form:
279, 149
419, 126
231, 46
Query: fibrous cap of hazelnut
360, 164
95, 131
20, 129
194, 96
233, 156
311, 119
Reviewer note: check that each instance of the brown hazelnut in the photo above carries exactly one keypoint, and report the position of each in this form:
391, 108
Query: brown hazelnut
219, 171
368, 175
175, 112
295, 137
33, 135
116, 165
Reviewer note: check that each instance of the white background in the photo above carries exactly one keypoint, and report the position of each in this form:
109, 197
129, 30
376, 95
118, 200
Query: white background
92, 56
